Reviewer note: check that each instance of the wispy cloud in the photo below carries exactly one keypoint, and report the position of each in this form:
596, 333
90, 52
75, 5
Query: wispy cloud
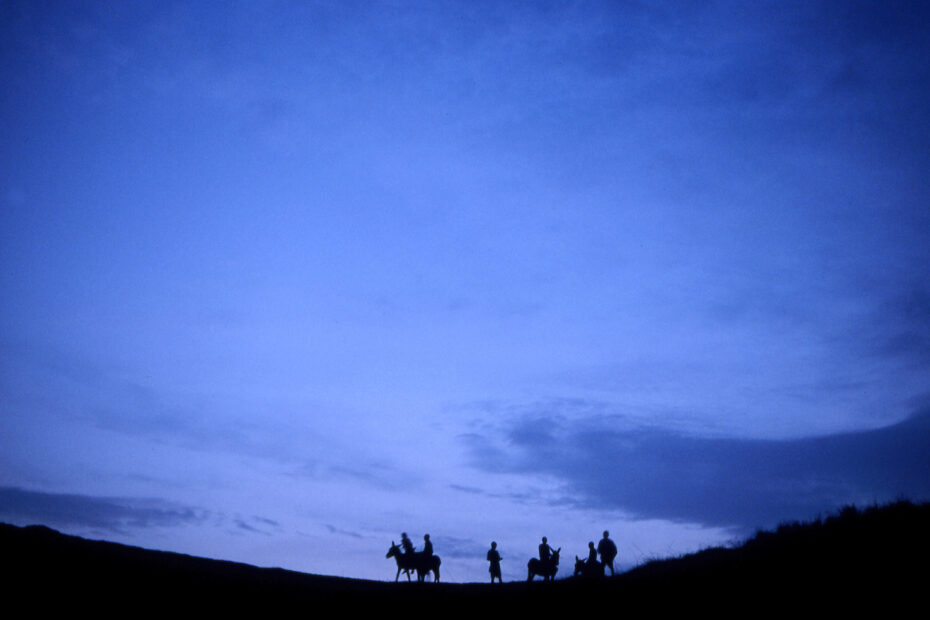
452, 547
332, 529
256, 525
900, 328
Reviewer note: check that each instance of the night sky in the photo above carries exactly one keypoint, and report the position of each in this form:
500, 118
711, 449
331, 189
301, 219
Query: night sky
280, 281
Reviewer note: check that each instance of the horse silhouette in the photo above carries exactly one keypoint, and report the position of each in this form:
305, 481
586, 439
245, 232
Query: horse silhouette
414, 562
546, 570
587, 569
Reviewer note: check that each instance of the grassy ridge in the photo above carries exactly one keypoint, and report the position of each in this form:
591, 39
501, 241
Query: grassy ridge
873, 557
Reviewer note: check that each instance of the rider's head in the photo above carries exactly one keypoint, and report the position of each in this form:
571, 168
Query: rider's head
606, 533
591, 544
493, 545
425, 536
544, 539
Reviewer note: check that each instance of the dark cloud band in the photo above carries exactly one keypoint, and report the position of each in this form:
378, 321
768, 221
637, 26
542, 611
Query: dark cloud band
741, 483
99, 513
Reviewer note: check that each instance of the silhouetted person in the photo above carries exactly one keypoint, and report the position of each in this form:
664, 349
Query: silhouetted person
495, 559
608, 551
406, 544
545, 551
592, 554
427, 547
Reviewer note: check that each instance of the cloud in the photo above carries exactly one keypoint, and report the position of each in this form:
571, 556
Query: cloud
109, 514
243, 525
256, 524
650, 472
52, 385
380, 475
452, 547
332, 529
527, 496
69, 385
900, 327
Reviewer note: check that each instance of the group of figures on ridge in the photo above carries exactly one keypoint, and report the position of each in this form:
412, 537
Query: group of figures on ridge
546, 565
409, 560
591, 567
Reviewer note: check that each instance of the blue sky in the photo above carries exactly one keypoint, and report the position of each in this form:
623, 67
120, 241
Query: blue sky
282, 280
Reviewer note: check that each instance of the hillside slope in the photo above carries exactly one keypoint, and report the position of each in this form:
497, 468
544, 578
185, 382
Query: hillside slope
875, 557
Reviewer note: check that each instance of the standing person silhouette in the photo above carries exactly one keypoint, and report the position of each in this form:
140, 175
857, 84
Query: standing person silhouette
495, 559
608, 551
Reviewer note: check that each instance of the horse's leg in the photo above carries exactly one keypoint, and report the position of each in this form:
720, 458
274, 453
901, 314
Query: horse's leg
397, 577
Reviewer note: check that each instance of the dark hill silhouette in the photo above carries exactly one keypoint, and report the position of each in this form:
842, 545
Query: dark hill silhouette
857, 559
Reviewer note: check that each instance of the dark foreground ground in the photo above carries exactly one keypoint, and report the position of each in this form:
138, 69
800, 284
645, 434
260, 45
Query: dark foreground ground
857, 560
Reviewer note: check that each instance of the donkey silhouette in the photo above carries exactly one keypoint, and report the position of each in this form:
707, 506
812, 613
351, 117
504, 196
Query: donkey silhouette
588, 569
418, 562
546, 570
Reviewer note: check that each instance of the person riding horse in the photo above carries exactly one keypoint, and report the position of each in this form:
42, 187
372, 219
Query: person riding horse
409, 561
406, 544
546, 565
427, 547
545, 551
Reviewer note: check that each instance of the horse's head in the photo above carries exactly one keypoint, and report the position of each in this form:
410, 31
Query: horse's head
394, 550
555, 556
